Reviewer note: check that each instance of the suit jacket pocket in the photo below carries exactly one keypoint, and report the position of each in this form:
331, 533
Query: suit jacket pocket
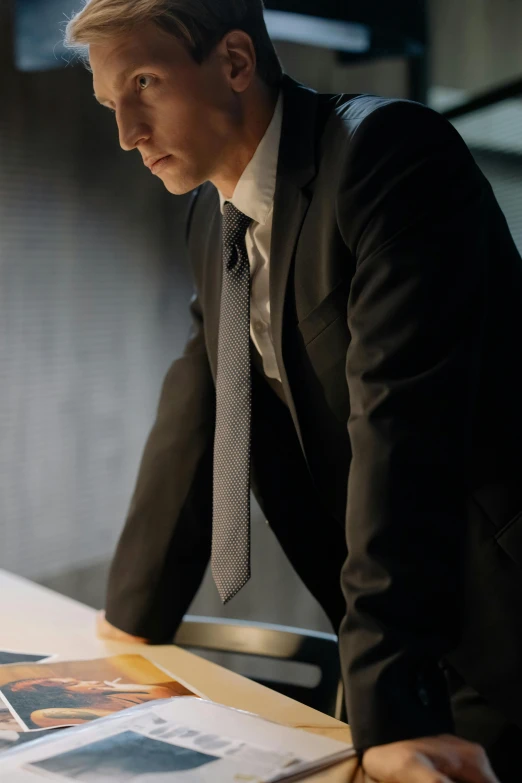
501, 502
332, 307
510, 539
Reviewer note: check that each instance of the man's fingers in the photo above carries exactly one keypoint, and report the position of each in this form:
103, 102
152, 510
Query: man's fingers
393, 764
462, 761
472, 766
417, 771
442, 759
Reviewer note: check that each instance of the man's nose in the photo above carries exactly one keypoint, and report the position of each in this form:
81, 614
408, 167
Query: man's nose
132, 132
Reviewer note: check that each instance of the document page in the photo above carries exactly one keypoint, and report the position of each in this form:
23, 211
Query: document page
189, 740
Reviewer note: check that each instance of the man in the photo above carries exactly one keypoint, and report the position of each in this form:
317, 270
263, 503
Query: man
355, 342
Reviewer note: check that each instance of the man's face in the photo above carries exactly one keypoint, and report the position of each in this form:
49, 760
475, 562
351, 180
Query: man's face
166, 104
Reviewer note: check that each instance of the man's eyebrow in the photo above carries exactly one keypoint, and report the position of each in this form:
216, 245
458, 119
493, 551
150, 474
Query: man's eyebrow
119, 82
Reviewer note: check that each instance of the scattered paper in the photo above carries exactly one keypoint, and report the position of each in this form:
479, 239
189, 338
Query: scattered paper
67, 693
190, 740
8, 723
15, 656
16, 737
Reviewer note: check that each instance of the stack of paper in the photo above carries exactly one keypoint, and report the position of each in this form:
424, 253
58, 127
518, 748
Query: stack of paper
39, 694
182, 739
134, 721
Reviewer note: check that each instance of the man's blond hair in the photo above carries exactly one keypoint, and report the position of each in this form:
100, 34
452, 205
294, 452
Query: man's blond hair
199, 24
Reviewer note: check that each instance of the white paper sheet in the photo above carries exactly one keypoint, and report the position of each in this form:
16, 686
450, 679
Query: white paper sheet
182, 739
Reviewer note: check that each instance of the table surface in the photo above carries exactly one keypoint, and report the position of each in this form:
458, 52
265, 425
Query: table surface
35, 619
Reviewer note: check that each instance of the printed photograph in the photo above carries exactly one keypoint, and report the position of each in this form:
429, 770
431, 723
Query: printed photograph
13, 656
67, 693
121, 758
8, 722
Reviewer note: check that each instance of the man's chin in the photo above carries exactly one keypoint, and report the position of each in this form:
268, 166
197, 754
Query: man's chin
178, 190
179, 186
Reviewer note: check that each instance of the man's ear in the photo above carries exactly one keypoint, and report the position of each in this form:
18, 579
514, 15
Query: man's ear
237, 52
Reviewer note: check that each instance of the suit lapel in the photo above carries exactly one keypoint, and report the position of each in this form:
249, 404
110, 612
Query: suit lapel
296, 169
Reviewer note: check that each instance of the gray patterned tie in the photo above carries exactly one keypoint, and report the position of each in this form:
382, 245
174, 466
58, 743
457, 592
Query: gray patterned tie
231, 511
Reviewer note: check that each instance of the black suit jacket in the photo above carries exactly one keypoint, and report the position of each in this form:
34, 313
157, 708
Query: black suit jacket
396, 295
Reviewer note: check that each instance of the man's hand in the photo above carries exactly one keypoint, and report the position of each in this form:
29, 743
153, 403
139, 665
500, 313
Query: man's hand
104, 630
443, 759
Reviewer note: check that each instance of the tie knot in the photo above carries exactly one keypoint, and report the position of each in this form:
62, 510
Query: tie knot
235, 225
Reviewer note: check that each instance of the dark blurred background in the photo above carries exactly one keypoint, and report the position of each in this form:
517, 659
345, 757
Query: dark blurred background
94, 282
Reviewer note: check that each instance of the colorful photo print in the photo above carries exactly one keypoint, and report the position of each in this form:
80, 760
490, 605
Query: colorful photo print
67, 693
121, 758
13, 656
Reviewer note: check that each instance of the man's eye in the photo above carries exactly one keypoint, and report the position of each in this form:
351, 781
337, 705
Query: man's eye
142, 79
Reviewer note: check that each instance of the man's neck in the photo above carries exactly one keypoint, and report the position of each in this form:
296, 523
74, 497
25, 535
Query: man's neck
257, 114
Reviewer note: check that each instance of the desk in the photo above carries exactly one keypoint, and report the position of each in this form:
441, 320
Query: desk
35, 619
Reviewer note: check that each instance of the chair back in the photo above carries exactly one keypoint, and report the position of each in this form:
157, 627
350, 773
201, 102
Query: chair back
277, 642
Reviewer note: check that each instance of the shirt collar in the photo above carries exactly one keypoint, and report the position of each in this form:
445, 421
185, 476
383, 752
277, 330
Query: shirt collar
254, 193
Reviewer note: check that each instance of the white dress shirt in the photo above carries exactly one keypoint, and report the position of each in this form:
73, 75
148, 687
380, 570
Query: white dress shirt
254, 196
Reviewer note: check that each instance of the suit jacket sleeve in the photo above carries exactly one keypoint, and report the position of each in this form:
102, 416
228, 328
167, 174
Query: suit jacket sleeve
411, 210
164, 549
